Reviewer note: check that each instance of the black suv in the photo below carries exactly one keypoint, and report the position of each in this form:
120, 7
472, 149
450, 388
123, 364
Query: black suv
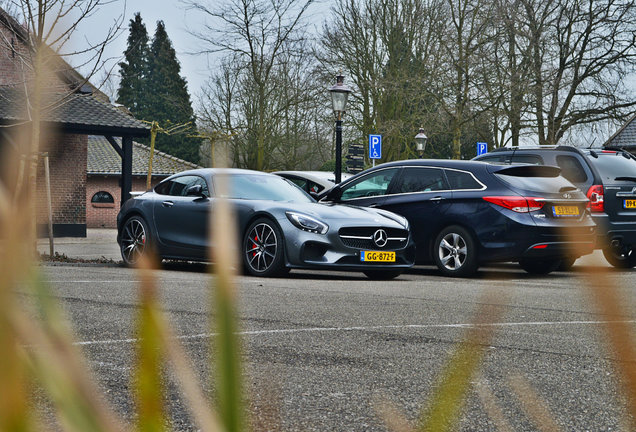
608, 178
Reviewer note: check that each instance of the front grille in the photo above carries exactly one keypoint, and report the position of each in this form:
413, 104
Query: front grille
362, 238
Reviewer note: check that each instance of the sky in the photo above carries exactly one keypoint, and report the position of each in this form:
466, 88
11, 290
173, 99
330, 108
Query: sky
195, 68
177, 21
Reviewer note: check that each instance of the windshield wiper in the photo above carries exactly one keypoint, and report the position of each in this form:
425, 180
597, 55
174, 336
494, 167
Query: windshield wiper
626, 178
567, 188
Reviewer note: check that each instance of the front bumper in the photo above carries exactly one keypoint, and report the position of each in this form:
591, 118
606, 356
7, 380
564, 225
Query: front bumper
316, 251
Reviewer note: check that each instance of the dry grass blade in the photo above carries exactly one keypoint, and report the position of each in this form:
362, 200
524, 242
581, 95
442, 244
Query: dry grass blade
187, 380
227, 353
619, 334
393, 418
14, 407
156, 339
449, 394
492, 408
148, 382
534, 406
607, 300
60, 367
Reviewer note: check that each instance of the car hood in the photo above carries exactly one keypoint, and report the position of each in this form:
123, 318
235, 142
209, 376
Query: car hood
339, 212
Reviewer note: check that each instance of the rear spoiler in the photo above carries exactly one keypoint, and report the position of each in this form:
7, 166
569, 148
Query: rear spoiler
526, 170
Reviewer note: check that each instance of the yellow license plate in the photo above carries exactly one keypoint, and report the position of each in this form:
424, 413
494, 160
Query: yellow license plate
374, 256
566, 211
629, 204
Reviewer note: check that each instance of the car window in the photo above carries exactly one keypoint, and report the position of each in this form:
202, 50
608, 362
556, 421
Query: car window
536, 184
301, 183
314, 187
494, 158
421, 179
462, 180
178, 186
614, 165
372, 184
571, 168
263, 187
520, 158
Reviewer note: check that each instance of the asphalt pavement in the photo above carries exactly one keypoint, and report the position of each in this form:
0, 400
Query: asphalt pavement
101, 244
331, 351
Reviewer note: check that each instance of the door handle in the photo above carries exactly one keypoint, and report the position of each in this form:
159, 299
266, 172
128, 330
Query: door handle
373, 206
437, 198
167, 203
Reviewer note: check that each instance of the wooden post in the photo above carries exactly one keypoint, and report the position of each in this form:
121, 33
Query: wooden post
153, 135
47, 178
126, 168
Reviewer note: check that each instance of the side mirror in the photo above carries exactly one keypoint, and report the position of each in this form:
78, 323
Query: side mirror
196, 190
334, 194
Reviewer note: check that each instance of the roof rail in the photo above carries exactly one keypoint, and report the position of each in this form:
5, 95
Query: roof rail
568, 148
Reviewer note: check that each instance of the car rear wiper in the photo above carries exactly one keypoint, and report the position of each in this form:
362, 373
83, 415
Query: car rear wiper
626, 178
567, 188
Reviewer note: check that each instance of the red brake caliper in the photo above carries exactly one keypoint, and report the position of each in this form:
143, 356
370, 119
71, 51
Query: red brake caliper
255, 246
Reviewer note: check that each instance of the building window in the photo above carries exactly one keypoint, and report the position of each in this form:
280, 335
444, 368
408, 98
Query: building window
102, 197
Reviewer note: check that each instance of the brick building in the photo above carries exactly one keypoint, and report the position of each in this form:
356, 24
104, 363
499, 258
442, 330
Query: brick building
72, 109
103, 174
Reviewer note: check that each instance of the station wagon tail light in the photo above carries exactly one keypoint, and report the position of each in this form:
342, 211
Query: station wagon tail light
596, 196
517, 204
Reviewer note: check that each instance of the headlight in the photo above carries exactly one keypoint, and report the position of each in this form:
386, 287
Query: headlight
307, 223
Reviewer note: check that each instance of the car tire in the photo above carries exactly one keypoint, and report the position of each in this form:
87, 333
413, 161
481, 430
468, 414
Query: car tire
539, 266
624, 258
382, 274
135, 240
263, 249
566, 264
455, 252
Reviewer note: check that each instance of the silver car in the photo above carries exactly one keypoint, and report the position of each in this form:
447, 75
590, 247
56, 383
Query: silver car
280, 226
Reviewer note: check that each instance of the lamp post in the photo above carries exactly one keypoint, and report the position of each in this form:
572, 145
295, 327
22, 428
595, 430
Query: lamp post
339, 95
420, 142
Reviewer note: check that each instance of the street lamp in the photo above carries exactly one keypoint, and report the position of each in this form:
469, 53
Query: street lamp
420, 142
339, 95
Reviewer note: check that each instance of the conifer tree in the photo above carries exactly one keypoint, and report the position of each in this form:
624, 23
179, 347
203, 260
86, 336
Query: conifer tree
168, 99
134, 70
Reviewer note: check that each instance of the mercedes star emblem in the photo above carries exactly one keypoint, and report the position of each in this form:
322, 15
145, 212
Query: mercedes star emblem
380, 238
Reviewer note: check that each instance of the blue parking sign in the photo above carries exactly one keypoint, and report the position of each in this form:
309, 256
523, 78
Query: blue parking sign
375, 146
482, 148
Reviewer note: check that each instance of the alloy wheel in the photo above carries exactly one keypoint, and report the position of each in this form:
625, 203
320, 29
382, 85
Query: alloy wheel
261, 247
452, 251
133, 240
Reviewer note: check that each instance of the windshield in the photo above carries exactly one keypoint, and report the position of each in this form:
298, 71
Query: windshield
262, 187
614, 165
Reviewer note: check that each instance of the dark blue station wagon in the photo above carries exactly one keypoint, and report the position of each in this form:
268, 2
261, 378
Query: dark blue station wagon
464, 213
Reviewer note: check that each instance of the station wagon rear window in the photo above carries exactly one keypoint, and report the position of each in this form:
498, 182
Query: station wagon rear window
536, 183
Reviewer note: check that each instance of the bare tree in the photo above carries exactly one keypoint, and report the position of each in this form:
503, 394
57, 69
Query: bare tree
582, 51
390, 50
257, 34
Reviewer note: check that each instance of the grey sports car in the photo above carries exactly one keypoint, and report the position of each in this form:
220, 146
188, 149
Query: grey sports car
280, 226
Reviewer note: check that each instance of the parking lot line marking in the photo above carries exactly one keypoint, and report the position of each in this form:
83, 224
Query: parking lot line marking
363, 328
